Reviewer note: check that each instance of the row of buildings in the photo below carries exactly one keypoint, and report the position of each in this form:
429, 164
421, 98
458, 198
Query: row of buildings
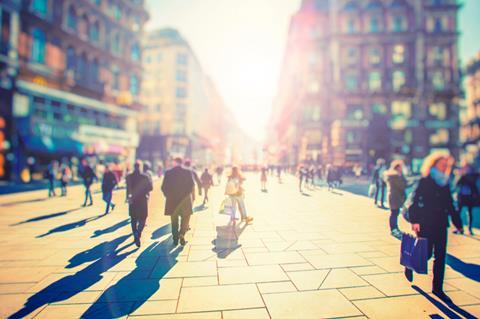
82, 78
364, 79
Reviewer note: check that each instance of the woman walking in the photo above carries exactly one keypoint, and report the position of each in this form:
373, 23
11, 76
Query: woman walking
397, 184
263, 179
236, 194
468, 194
429, 215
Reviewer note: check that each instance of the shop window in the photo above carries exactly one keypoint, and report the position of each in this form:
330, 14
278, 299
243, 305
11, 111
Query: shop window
38, 45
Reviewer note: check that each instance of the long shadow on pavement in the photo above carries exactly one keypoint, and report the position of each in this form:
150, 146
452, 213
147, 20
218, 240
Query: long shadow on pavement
227, 239
162, 231
449, 310
23, 202
133, 290
111, 229
471, 271
71, 226
44, 217
69, 286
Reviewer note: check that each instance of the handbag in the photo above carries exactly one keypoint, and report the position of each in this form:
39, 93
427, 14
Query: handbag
414, 253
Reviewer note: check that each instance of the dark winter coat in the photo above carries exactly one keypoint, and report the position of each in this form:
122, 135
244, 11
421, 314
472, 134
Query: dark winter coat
397, 185
139, 187
109, 182
177, 186
468, 193
432, 206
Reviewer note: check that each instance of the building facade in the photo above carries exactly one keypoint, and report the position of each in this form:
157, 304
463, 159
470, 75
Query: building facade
184, 114
470, 131
78, 82
371, 79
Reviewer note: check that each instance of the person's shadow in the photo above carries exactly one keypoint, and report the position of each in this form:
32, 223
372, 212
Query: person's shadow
71, 226
131, 291
69, 286
451, 311
162, 231
44, 217
471, 271
227, 239
110, 229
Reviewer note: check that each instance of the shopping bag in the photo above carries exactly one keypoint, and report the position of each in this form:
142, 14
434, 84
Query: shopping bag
414, 253
371, 190
226, 207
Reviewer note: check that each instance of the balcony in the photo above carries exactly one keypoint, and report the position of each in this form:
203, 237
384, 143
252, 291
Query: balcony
89, 86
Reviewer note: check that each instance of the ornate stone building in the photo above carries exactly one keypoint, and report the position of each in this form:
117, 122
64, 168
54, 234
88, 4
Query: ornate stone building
365, 79
77, 90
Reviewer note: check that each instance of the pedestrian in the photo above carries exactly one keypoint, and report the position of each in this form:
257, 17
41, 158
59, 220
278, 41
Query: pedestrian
429, 215
396, 184
51, 174
147, 170
65, 176
331, 177
139, 186
319, 174
301, 177
109, 182
219, 172
236, 193
279, 173
311, 176
379, 181
468, 193
207, 182
178, 187
357, 171
88, 176
263, 179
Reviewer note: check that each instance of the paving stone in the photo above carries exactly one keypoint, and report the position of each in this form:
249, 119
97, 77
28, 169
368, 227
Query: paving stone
297, 267
275, 287
190, 269
357, 293
200, 281
63, 311
155, 307
308, 280
200, 315
247, 313
251, 274
342, 278
337, 261
322, 304
213, 298
271, 258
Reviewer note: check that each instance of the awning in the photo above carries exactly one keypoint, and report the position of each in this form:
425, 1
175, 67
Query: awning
52, 145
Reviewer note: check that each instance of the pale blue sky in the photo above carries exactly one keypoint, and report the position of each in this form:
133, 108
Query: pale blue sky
240, 44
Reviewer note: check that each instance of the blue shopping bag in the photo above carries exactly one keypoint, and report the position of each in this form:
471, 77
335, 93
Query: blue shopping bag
414, 253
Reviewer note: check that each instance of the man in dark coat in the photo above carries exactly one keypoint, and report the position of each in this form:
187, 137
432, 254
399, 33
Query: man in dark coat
88, 176
178, 187
139, 187
109, 182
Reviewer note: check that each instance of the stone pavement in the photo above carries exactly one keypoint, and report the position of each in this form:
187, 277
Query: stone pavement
321, 255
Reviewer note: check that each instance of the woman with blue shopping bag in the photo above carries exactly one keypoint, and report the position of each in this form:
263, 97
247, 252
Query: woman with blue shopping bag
429, 213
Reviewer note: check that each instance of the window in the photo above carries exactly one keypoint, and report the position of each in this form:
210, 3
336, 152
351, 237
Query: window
440, 137
351, 26
352, 56
94, 71
5, 32
438, 111
94, 29
398, 24
355, 112
437, 24
38, 46
134, 85
351, 82
438, 81
71, 59
116, 44
181, 92
40, 7
439, 56
374, 56
352, 138
374, 81
82, 67
378, 108
135, 52
117, 12
180, 112
182, 59
72, 18
374, 25
181, 76
316, 113
115, 78
398, 55
398, 80
401, 110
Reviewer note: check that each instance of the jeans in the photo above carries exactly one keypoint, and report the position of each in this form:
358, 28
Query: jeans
470, 216
88, 195
238, 200
138, 223
51, 187
107, 197
394, 219
185, 220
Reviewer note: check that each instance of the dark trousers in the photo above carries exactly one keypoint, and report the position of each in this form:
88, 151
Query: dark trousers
381, 185
138, 224
470, 216
394, 219
185, 220
64, 188
437, 247
51, 187
205, 194
107, 197
88, 195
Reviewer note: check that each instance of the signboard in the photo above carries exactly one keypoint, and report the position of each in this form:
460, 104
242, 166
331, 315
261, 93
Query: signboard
89, 134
